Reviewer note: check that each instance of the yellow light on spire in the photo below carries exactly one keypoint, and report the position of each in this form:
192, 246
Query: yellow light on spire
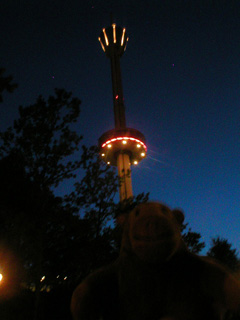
105, 36
126, 44
101, 44
114, 33
123, 35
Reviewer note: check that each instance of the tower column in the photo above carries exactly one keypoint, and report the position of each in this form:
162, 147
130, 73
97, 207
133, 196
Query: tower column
119, 108
124, 172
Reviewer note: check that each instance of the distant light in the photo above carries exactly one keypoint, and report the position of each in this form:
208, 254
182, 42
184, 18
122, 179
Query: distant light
105, 36
58, 276
101, 44
103, 154
109, 146
135, 162
65, 278
43, 278
122, 40
124, 142
114, 33
108, 162
116, 97
143, 154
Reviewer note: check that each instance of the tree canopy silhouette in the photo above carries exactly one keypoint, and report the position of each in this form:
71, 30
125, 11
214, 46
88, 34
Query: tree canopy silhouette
192, 240
43, 138
222, 251
39, 147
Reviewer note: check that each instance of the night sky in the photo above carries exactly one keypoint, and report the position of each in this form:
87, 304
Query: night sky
181, 83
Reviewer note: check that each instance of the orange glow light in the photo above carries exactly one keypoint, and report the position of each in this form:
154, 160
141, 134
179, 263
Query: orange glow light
105, 36
101, 44
114, 33
122, 40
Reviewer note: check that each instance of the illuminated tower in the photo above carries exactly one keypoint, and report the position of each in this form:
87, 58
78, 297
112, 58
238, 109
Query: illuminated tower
121, 146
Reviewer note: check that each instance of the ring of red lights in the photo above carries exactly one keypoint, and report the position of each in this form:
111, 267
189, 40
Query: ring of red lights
128, 141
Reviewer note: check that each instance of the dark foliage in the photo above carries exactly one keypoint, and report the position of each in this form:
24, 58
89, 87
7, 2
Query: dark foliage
6, 83
222, 251
192, 240
42, 137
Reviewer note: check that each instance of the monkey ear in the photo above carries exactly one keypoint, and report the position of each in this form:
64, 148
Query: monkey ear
179, 215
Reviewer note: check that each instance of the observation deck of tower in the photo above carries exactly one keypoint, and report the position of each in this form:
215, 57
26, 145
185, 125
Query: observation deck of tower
121, 146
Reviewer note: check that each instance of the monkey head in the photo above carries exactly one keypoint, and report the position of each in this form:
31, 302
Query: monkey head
152, 232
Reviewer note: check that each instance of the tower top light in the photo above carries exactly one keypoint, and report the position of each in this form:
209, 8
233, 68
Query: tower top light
113, 39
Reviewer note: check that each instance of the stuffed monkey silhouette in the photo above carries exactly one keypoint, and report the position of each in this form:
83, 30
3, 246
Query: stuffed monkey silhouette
155, 276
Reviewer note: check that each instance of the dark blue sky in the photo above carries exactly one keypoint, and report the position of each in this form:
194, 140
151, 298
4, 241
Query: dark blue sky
181, 82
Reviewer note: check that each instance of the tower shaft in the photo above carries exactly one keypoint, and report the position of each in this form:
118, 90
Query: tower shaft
118, 102
123, 161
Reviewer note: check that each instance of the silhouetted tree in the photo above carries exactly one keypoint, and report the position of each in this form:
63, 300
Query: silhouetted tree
42, 140
192, 240
222, 251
